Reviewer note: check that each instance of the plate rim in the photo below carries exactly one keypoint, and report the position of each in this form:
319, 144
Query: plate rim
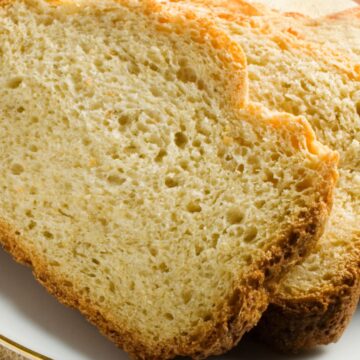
20, 349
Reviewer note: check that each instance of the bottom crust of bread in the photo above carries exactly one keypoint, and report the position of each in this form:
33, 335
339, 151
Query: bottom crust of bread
320, 319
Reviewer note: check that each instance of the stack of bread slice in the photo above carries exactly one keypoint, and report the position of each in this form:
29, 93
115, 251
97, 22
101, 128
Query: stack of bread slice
168, 168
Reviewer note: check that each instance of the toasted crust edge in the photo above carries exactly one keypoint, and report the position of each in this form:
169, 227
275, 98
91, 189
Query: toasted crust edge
238, 316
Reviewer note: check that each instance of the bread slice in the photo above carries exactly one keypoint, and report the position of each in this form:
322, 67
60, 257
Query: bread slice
288, 72
340, 30
321, 313
138, 182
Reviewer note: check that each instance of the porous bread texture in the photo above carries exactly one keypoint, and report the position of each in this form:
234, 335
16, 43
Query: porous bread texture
134, 184
317, 298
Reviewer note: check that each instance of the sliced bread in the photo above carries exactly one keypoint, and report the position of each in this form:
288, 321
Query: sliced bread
341, 30
291, 73
138, 182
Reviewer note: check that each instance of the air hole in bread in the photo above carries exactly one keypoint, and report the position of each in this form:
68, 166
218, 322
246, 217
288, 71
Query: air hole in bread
186, 296
133, 68
163, 268
33, 148
95, 261
250, 234
235, 216
199, 248
214, 240
124, 119
270, 177
99, 64
180, 139
168, 316
48, 234
171, 182
116, 180
187, 74
240, 168
160, 155
31, 224
14, 83
304, 185
17, 169
193, 207
208, 317
184, 164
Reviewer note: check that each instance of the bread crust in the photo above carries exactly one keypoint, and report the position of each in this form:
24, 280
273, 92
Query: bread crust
249, 295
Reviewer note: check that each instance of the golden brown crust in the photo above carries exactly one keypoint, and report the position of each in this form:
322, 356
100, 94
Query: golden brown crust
249, 296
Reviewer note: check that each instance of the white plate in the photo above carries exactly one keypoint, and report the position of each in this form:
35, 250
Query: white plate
31, 317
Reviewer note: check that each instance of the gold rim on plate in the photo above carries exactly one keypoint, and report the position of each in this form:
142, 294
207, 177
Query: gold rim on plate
21, 350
